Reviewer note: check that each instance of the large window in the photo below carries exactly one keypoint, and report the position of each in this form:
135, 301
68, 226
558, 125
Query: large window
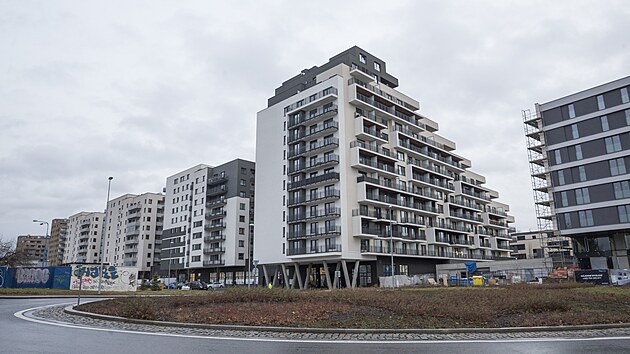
622, 189
581, 196
624, 213
586, 218
561, 178
604, 120
558, 157
624, 95
564, 200
617, 167
600, 102
571, 111
578, 152
575, 133
613, 144
582, 172
567, 220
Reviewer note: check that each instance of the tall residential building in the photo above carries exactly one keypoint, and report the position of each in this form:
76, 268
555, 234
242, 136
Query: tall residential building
208, 217
34, 247
83, 239
350, 173
531, 244
133, 232
579, 147
58, 233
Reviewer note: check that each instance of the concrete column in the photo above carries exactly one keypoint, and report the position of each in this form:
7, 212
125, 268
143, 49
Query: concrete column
285, 274
267, 280
346, 278
355, 275
298, 276
308, 273
328, 282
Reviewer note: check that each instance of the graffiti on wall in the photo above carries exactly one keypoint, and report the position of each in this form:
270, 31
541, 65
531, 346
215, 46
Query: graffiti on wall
112, 278
32, 276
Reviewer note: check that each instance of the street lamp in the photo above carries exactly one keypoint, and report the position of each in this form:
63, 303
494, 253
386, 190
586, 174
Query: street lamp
45, 255
100, 272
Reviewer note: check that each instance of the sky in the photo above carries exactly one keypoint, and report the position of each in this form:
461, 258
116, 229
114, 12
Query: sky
141, 90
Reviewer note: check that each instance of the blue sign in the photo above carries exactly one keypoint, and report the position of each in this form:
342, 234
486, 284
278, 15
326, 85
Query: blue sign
6, 277
62, 277
33, 277
471, 267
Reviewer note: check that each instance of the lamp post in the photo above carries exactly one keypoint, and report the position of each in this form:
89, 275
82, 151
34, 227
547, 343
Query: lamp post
100, 271
45, 255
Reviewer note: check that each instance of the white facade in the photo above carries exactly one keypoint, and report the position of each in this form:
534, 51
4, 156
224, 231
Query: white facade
347, 165
133, 231
83, 238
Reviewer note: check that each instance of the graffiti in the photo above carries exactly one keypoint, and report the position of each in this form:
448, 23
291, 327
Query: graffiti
32, 275
112, 278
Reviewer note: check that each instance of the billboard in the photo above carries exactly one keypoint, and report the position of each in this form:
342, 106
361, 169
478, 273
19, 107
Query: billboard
33, 277
113, 278
593, 276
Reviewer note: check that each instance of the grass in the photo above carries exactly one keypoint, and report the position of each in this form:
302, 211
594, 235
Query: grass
516, 305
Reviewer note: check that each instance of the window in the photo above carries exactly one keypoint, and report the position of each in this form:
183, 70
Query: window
586, 218
627, 111
561, 177
564, 200
613, 144
582, 172
617, 167
567, 220
604, 120
571, 111
197, 224
400, 170
622, 189
362, 58
600, 102
377, 66
196, 258
581, 196
241, 218
241, 194
196, 247
558, 157
578, 152
624, 213
241, 256
242, 206
242, 182
574, 131
241, 243
241, 231
624, 95
196, 235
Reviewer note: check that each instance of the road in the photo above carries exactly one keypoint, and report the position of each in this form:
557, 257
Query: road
21, 336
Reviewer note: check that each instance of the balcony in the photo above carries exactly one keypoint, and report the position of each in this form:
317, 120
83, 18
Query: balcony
213, 250
465, 203
498, 223
461, 241
329, 92
409, 188
216, 191
476, 194
313, 132
425, 152
398, 233
373, 147
466, 216
330, 159
318, 214
216, 180
132, 231
215, 226
309, 149
314, 197
212, 238
430, 167
433, 181
215, 203
373, 133
131, 241
322, 231
453, 227
323, 112
295, 251
390, 110
215, 215
389, 200
326, 177
214, 262
135, 207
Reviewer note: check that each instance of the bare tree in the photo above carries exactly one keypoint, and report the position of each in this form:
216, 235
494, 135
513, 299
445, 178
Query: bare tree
10, 257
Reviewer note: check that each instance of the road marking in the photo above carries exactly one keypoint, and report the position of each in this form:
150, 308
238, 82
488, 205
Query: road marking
21, 315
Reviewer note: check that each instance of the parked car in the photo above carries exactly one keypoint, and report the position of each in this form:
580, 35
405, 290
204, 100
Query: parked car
198, 285
184, 286
215, 285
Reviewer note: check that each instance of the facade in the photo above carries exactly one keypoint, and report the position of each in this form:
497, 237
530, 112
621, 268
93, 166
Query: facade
133, 232
58, 234
34, 247
535, 244
208, 220
348, 168
83, 239
579, 147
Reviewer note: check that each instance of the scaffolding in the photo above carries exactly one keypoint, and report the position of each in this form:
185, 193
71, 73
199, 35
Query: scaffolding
553, 244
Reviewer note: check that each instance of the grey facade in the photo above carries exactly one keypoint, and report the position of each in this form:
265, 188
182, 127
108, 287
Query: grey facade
579, 149
208, 223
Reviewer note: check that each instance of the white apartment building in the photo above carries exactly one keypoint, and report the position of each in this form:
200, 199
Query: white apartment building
83, 238
208, 220
133, 232
350, 174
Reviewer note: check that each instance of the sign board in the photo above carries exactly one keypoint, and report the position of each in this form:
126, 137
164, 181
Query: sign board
113, 279
593, 276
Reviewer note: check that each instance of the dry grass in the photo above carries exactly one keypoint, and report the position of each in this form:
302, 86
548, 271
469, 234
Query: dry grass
517, 305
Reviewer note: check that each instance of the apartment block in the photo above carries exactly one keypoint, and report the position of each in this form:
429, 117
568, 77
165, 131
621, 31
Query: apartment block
208, 220
83, 239
350, 174
579, 150
34, 247
133, 232
535, 244
58, 234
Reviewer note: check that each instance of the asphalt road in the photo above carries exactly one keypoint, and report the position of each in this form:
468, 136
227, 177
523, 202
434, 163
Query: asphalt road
21, 336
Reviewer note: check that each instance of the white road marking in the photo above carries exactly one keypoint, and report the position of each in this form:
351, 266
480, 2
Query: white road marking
20, 315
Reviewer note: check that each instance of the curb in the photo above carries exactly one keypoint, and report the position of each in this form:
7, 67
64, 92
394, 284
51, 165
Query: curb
91, 296
70, 310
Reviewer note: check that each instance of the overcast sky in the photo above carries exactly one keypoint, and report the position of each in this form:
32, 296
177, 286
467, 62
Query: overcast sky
141, 90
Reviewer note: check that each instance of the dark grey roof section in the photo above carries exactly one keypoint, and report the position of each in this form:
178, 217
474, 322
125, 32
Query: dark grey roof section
349, 57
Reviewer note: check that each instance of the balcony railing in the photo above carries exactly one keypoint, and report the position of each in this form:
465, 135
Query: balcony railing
303, 118
214, 238
327, 159
408, 187
433, 181
294, 251
319, 213
293, 136
475, 194
391, 110
449, 226
375, 133
377, 165
322, 231
465, 203
214, 262
326, 92
215, 226
425, 151
466, 216
372, 147
211, 250
427, 166
311, 197
312, 148
312, 180
407, 204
